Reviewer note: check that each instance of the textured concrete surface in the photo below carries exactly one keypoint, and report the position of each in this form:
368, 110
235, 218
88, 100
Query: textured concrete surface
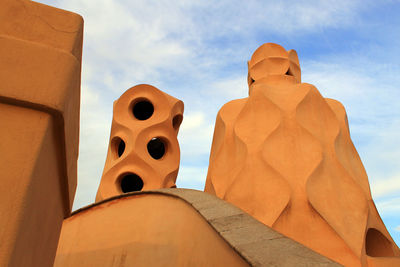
255, 242
40, 69
284, 155
142, 230
40, 65
143, 151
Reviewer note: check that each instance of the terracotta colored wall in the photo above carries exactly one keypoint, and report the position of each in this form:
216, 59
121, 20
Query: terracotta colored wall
39, 117
30, 193
143, 151
175, 227
284, 155
142, 230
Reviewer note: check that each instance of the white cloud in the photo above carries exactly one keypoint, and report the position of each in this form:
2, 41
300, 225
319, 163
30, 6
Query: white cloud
361, 84
229, 88
385, 187
195, 137
89, 97
93, 144
192, 122
141, 39
191, 177
388, 206
397, 228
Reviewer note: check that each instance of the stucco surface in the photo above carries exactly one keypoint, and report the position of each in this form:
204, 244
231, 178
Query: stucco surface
175, 227
39, 116
32, 204
143, 151
40, 69
285, 156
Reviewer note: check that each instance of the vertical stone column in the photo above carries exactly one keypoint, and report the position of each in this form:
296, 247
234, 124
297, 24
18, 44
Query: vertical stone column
143, 152
40, 65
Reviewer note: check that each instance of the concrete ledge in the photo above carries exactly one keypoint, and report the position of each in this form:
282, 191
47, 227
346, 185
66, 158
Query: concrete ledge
258, 244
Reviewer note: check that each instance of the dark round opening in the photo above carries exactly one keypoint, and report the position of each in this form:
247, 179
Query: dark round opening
131, 182
143, 110
176, 121
377, 245
121, 147
156, 148
118, 146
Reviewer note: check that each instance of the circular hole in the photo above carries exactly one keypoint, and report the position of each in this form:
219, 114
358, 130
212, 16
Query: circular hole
118, 146
121, 148
176, 121
143, 110
156, 148
131, 182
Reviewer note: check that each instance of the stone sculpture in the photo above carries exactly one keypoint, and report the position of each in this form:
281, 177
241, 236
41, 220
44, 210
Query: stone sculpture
284, 155
143, 152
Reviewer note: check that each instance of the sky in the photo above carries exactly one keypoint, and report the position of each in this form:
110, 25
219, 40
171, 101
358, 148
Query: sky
197, 51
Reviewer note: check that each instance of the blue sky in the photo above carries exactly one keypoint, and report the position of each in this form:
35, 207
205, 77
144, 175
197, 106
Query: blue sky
197, 51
